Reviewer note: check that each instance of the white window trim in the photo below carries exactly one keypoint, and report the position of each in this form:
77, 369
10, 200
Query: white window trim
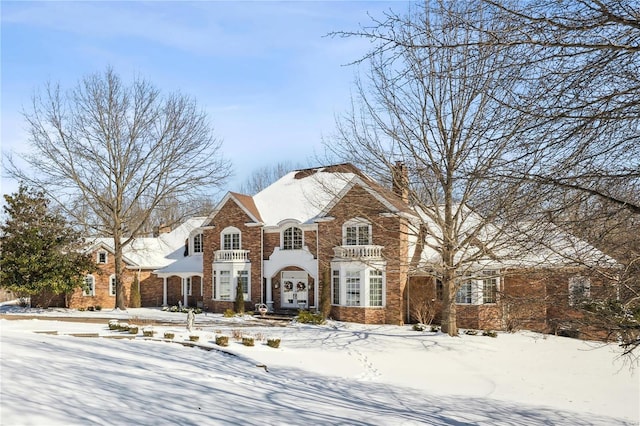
227, 231
234, 272
193, 243
93, 286
301, 237
357, 222
477, 288
576, 282
112, 285
364, 275
106, 257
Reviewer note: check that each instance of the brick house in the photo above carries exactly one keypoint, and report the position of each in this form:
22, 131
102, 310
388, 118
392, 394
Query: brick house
334, 226
141, 258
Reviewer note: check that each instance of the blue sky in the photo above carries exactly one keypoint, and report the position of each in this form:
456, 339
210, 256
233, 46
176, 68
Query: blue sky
266, 73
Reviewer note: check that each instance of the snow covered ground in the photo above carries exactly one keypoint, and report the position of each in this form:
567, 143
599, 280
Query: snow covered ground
338, 373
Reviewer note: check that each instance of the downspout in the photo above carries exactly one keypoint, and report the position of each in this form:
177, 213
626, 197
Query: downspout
318, 272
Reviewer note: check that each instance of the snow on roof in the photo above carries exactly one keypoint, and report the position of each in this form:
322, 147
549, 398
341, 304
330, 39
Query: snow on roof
302, 195
155, 252
187, 266
525, 245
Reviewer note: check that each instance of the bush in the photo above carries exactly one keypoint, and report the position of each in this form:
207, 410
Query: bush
113, 325
306, 317
229, 313
248, 341
222, 340
419, 327
81, 309
123, 326
98, 308
490, 333
471, 332
236, 334
435, 328
134, 295
194, 337
91, 308
133, 329
273, 343
148, 332
169, 335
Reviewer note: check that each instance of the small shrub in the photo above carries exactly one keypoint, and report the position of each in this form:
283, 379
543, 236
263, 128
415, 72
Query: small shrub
123, 326
133, 329
98, 308
273, 343
148, 332
306, 317
236, 334
169, 335
197, 311
113, 325
471, 332
435, 328
165, 308
490, 333
194, 337
91, 308
229, 313
222, 340
173, 309
248, 341
81, 309
419, 327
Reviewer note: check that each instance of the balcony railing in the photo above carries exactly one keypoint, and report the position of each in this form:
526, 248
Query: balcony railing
355, 252
231, 256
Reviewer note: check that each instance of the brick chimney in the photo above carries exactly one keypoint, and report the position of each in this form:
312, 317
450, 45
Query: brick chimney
400, 180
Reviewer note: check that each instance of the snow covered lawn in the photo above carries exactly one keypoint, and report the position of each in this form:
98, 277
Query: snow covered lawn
339, 373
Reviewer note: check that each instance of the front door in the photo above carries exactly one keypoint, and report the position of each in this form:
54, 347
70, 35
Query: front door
295, 289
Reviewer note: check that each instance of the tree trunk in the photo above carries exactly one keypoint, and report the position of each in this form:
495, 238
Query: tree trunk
449, 323
120, 294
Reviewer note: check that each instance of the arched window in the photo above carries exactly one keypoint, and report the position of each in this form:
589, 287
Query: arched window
197, 243
230, 238
356, 232
292, 238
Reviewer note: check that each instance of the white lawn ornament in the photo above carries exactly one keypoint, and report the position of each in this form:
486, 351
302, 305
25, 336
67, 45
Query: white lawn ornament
191, 317
263, 309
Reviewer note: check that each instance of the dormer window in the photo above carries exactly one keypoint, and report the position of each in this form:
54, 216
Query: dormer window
197, 243
356, 232
292, 239
230, 238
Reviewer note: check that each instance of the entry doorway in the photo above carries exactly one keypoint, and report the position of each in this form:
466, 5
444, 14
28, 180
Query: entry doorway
295, 289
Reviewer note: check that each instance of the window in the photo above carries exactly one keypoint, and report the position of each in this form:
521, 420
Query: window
579, 289
102, 257
353, 288
463, 295
335, 287
197, 244
489, 289
231, 238
214, 289
357, 232
188, 285
439, 290
243, 280
225, 285
112, 285
292, 239
89, 288
375, 288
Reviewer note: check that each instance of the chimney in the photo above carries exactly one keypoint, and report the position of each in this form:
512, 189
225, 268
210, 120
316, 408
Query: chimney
400, 180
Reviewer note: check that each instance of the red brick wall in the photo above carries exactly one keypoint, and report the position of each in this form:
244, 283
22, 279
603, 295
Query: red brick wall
232, 215
389, 232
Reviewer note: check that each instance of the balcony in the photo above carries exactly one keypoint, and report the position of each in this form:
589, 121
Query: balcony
358, 252
231, 256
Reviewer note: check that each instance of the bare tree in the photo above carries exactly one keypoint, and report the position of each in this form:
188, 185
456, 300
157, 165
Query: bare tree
111, 153
264, 176
439, 113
